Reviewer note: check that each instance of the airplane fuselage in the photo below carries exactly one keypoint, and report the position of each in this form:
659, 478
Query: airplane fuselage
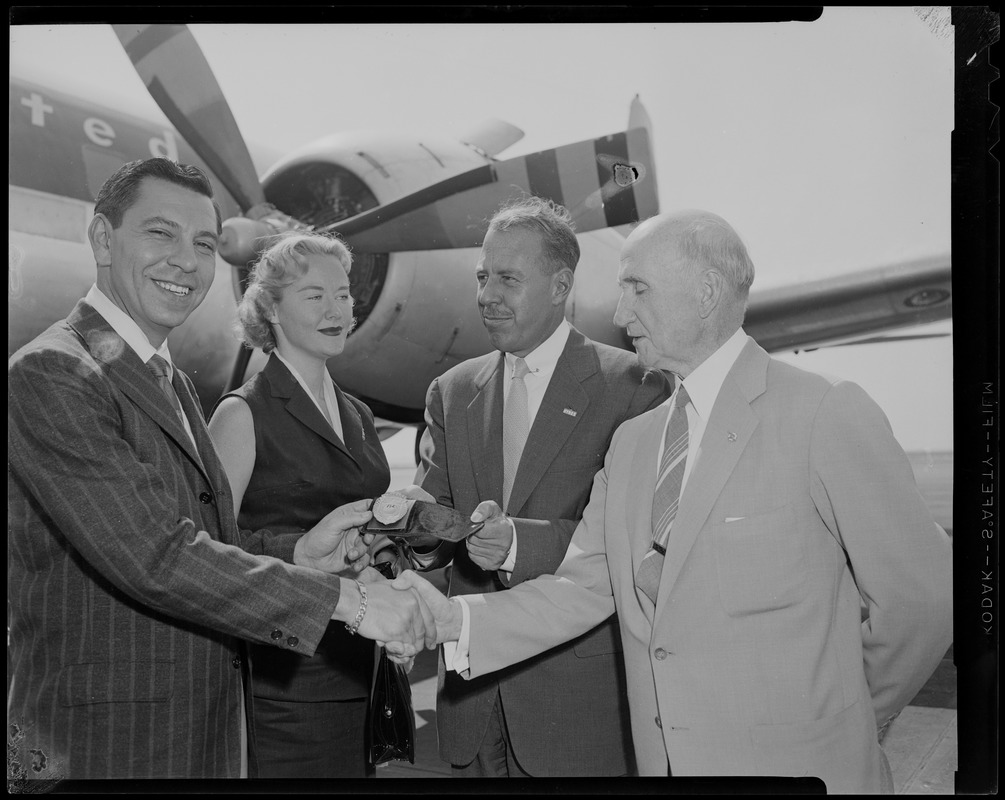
417, 311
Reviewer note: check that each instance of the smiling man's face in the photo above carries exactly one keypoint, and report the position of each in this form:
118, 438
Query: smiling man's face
158, 265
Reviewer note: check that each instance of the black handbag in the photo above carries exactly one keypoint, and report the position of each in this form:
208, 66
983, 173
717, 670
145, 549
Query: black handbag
391, 720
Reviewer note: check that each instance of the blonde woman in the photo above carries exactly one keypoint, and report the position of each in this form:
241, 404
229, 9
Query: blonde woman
295, 446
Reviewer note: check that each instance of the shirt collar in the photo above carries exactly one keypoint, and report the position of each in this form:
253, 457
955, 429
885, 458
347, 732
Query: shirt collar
327, 387
126, 327
704, 383
545, 356
293, 371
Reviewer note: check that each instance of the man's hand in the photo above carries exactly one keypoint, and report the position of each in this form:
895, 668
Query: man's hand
442, 618
391, 615
334, 544
489, 546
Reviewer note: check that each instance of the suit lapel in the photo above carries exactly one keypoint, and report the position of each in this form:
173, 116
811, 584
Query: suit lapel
303, 408
484, 418
210, 462
352, 426
729, 428
186, 394
131, 376
552, 425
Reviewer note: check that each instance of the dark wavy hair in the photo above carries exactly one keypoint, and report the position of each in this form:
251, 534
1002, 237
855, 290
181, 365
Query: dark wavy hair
552, 221
119, 192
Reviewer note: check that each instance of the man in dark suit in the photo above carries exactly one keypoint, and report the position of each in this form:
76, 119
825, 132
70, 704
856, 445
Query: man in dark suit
530, 445
129, 596
783, 591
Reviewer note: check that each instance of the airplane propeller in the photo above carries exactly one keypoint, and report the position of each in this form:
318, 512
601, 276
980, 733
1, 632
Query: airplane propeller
603, 182
451, 213
178, 77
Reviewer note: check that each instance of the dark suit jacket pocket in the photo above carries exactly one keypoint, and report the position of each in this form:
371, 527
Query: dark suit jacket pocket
116, 682
759, 562
601, 641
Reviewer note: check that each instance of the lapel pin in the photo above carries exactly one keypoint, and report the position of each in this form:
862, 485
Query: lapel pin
569, 411
731, 436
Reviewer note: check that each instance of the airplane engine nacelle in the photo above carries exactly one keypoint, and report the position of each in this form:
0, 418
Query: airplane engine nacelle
416, 312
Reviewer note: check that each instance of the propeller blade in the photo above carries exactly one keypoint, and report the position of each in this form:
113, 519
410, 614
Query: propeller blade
177, 75
239, 369
603, 182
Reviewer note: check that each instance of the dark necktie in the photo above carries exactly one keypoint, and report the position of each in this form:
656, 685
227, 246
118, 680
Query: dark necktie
159, 369
515, 427
666, 498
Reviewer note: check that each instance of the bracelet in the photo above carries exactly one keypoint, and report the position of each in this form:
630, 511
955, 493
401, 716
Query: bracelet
362, 610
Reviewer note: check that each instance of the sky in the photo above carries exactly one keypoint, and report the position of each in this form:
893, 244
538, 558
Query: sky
825, 144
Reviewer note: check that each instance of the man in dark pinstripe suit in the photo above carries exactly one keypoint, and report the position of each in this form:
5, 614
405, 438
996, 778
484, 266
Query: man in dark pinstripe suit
130, 589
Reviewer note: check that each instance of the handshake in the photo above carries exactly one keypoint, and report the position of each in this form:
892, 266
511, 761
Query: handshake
409, 612
406, 614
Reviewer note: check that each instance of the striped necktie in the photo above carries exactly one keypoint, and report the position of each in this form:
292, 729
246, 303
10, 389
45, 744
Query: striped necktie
666, 498
159, 369
515, 427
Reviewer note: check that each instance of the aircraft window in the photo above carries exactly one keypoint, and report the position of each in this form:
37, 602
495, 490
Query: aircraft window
320, 194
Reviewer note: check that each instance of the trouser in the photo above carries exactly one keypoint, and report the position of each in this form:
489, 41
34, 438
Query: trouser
495, 758
309, 740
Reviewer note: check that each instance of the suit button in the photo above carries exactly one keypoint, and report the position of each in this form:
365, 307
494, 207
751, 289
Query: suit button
659, 723
293, 641
277, 634
660, 654
205, 497
236, 662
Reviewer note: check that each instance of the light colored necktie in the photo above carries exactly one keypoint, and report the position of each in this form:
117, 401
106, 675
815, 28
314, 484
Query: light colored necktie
516, 426
160, 370
667, 495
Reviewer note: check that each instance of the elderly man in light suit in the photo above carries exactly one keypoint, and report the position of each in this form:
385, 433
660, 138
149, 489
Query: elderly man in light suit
792, 593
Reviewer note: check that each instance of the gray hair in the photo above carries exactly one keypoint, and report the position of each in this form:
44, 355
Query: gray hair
279, 266
707, 240
552, 221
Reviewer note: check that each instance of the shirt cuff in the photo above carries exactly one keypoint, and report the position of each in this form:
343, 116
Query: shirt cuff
455, 654
510, 563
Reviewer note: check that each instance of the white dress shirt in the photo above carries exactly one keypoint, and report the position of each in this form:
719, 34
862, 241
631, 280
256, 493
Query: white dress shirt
541, 362
703, 387
328, 388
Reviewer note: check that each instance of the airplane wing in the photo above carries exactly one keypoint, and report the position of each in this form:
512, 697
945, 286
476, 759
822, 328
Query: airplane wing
850, 307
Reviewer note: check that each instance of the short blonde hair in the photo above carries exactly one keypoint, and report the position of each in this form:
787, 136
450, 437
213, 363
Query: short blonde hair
278, 267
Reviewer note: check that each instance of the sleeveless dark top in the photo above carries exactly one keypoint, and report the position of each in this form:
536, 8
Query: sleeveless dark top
302, 472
